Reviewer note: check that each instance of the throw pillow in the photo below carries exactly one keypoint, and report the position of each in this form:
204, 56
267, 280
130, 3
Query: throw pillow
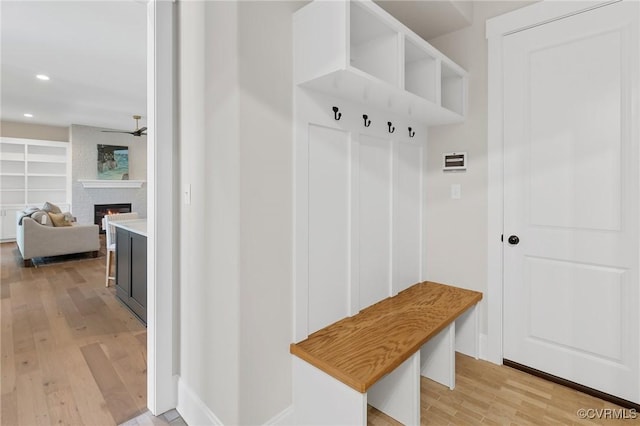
59, 219
51, 208
42, 218
69, 217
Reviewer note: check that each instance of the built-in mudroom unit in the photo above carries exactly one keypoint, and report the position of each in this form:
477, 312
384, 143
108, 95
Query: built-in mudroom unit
367, 89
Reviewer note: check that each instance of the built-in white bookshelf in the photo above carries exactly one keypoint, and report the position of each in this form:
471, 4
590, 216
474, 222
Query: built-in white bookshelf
374, 46
355, 50
31, 173
420, 72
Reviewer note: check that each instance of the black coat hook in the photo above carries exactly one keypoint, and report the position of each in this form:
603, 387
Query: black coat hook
367, 122
336, 115
411, 134
391, 130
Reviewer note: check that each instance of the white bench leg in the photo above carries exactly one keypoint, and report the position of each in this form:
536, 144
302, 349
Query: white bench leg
476, 325
438, 357
468, 332
398, 393
319, 399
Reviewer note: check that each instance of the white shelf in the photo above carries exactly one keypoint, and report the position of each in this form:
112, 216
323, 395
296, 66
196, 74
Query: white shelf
11, 156
355, 50
92, 184
453, 87
8, 197
46, 169
46, 159
420, 72
28, 167
353, 84
374, 46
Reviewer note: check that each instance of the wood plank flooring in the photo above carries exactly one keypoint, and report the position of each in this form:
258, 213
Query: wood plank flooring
489, 394
71, 353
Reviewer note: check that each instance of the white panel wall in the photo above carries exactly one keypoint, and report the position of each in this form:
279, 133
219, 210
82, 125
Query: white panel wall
328, 226
374, 219
358, 209
407, 241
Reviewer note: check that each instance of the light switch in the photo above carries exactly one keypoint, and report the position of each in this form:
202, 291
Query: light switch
455, 191
187, 194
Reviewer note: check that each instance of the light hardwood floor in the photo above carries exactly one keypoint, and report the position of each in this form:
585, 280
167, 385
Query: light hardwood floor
72, 355
488, 394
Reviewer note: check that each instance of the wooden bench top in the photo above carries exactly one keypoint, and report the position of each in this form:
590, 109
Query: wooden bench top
361, 349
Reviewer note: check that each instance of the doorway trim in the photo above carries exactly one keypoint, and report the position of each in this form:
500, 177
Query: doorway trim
496, 29
163, 213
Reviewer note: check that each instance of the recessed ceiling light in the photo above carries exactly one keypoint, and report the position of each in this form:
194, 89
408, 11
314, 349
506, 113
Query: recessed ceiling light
43, 77
28, 115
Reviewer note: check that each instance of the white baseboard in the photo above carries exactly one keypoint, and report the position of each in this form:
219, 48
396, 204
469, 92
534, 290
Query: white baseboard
192, 409
284, 418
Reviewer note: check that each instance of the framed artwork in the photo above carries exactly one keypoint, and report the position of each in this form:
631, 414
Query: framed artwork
113, 162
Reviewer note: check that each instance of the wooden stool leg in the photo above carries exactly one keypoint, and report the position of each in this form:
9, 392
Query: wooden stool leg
108, 268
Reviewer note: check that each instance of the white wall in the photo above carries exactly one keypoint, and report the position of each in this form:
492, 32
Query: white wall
208, 390
236, 235
266, 210
84, 156
236, 155
457, 229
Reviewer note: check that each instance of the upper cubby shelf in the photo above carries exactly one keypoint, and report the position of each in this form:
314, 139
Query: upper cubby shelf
374, 46
357, 51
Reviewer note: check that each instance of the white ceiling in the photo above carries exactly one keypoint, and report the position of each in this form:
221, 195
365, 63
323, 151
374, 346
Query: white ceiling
95, 54
430, 18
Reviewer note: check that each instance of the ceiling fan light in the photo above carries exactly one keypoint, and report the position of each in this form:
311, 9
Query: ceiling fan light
43, 77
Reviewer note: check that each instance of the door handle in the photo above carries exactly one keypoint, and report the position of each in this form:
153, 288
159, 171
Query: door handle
513, 240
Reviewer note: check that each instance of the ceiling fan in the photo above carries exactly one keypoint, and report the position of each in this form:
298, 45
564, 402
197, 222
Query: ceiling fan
136, 132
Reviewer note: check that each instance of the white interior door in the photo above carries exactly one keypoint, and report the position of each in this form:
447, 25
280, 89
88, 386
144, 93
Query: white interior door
571, 197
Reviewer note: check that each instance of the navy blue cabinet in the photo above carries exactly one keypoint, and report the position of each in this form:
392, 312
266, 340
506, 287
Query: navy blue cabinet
131, 271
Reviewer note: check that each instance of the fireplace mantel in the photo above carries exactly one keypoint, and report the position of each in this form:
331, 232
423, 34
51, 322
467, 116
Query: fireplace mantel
94, 183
